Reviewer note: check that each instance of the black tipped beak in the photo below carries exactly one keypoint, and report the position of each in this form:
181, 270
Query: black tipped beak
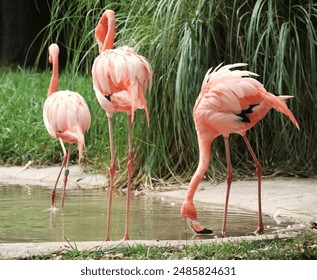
204, 231
197, 228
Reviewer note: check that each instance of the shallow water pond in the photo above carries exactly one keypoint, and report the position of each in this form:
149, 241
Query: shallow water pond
25, 217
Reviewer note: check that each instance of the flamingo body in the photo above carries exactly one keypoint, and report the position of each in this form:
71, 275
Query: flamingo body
230, 101
233, 102
66, 118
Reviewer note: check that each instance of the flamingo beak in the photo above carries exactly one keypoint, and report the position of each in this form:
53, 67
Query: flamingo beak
197, 228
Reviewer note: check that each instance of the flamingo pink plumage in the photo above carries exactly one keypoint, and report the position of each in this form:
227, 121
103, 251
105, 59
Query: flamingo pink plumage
120, 79
230, 101
66, 118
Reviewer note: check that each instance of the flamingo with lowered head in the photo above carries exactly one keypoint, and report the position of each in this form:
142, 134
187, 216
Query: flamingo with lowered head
120, 79
230, 101
66, 118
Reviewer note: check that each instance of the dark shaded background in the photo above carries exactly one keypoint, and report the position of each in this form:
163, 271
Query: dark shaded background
20, 23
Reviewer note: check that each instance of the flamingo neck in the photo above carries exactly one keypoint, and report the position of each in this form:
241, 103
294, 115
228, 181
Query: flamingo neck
54, 79
204, 160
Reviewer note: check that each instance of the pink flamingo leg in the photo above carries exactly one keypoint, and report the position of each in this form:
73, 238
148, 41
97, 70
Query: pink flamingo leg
53, 199
258, 167
112, 174
130, 172
229, 181
66, 174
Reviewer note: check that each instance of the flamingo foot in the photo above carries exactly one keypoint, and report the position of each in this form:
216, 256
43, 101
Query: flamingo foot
196, 227
259, 230
53, 209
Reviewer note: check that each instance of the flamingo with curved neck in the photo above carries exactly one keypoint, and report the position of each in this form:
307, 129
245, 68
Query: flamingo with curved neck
230, 101
66, 118
120, 78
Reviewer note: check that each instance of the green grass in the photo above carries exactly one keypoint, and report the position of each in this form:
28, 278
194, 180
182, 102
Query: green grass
22, 135
302, 247
181, 39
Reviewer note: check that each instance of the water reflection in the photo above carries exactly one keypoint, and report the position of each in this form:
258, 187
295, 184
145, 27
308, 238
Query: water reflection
25, 217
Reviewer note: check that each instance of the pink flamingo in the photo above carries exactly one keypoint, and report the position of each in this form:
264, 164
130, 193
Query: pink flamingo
120, 78
66, 118
230, 101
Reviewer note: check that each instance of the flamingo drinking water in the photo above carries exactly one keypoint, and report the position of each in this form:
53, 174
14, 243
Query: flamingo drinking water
66, 118
120, 79
230, 101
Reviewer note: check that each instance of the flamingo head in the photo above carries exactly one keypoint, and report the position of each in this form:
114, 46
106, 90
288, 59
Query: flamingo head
105, 26
53, 51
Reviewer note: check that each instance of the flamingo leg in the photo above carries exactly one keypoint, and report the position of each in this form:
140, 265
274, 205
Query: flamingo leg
112, 174
229, 181
66, 173
130, 172
258, 167
53, 199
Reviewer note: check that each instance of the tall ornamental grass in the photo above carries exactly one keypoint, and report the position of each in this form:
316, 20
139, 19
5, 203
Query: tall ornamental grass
182, 39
